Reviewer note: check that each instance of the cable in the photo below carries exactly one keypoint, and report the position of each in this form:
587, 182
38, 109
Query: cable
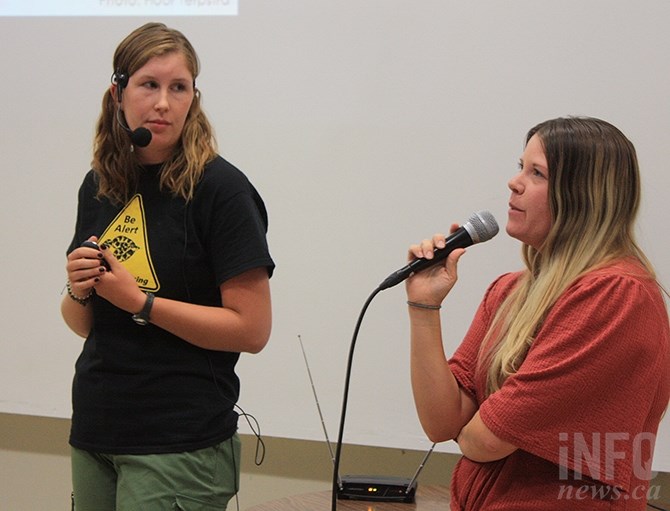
259, 456
255, 427
338, 451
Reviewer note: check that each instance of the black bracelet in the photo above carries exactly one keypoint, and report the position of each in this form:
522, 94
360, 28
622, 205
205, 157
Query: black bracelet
424, 306
79, 299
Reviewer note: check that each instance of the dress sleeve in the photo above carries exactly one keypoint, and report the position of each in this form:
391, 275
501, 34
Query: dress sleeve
463, 363
590, 380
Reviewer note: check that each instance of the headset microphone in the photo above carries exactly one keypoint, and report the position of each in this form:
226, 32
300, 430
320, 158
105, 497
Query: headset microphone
141, 137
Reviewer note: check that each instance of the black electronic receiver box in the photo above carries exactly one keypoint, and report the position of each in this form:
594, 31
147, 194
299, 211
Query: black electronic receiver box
377, 488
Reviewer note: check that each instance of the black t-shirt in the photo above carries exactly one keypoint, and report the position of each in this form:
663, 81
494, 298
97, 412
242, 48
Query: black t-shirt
139, 389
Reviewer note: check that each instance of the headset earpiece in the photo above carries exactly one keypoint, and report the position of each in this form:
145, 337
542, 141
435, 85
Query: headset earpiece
120, 79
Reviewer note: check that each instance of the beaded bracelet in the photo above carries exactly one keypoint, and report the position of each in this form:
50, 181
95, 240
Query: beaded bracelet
79, 299
424, 306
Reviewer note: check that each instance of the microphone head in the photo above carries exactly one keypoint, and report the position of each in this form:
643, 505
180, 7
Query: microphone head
141, 137
481, 226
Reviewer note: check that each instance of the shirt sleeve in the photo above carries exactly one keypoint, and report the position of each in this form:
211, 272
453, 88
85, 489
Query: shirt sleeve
589, 380
238, 238
235, 222
86, 193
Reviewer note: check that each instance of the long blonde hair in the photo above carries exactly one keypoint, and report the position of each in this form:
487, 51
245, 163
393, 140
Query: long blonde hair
594, 196
114, 162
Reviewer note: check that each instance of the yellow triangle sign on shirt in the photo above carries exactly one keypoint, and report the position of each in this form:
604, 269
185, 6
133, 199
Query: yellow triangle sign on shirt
126, 236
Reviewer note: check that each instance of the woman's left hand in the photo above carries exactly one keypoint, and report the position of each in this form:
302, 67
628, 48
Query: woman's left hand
117, 285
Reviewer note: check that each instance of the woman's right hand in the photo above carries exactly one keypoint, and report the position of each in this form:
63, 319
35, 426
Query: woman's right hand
84, 267
431, 286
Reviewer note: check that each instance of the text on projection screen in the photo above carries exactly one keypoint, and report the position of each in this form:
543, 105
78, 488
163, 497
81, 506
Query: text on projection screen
119, 8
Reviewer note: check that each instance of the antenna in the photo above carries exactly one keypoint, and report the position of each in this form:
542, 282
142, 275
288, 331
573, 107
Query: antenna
372, 488
421, 465
318, 407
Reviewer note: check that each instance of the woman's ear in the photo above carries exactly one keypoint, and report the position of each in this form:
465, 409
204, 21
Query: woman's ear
114, 90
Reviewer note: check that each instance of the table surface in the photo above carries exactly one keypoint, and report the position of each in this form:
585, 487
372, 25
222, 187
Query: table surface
428, 498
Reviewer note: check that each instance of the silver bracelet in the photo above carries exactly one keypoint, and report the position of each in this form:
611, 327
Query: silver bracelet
81, 300
424, 306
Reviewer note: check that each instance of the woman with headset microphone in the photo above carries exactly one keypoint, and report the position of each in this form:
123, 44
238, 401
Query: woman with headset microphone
168, 281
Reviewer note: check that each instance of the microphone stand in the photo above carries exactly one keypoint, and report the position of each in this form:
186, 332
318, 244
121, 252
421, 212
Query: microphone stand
480, 227
338, 450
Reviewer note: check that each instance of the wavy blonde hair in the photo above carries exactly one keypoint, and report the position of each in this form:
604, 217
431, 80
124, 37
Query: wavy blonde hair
114, 162
594, 197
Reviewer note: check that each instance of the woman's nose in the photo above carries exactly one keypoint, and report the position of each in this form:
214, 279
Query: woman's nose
515, 184
162, 102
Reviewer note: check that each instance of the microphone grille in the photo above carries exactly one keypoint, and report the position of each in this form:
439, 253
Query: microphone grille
141, 137
483, 226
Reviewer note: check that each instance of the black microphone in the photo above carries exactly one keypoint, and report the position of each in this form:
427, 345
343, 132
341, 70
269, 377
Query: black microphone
139, 137
481, 226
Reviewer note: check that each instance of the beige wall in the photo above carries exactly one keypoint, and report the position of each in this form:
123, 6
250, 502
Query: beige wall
35, 466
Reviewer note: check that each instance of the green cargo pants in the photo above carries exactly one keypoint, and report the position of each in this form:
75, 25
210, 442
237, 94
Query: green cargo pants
202, 480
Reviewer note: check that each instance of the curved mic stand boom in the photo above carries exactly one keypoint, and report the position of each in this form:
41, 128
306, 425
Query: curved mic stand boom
338, 450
